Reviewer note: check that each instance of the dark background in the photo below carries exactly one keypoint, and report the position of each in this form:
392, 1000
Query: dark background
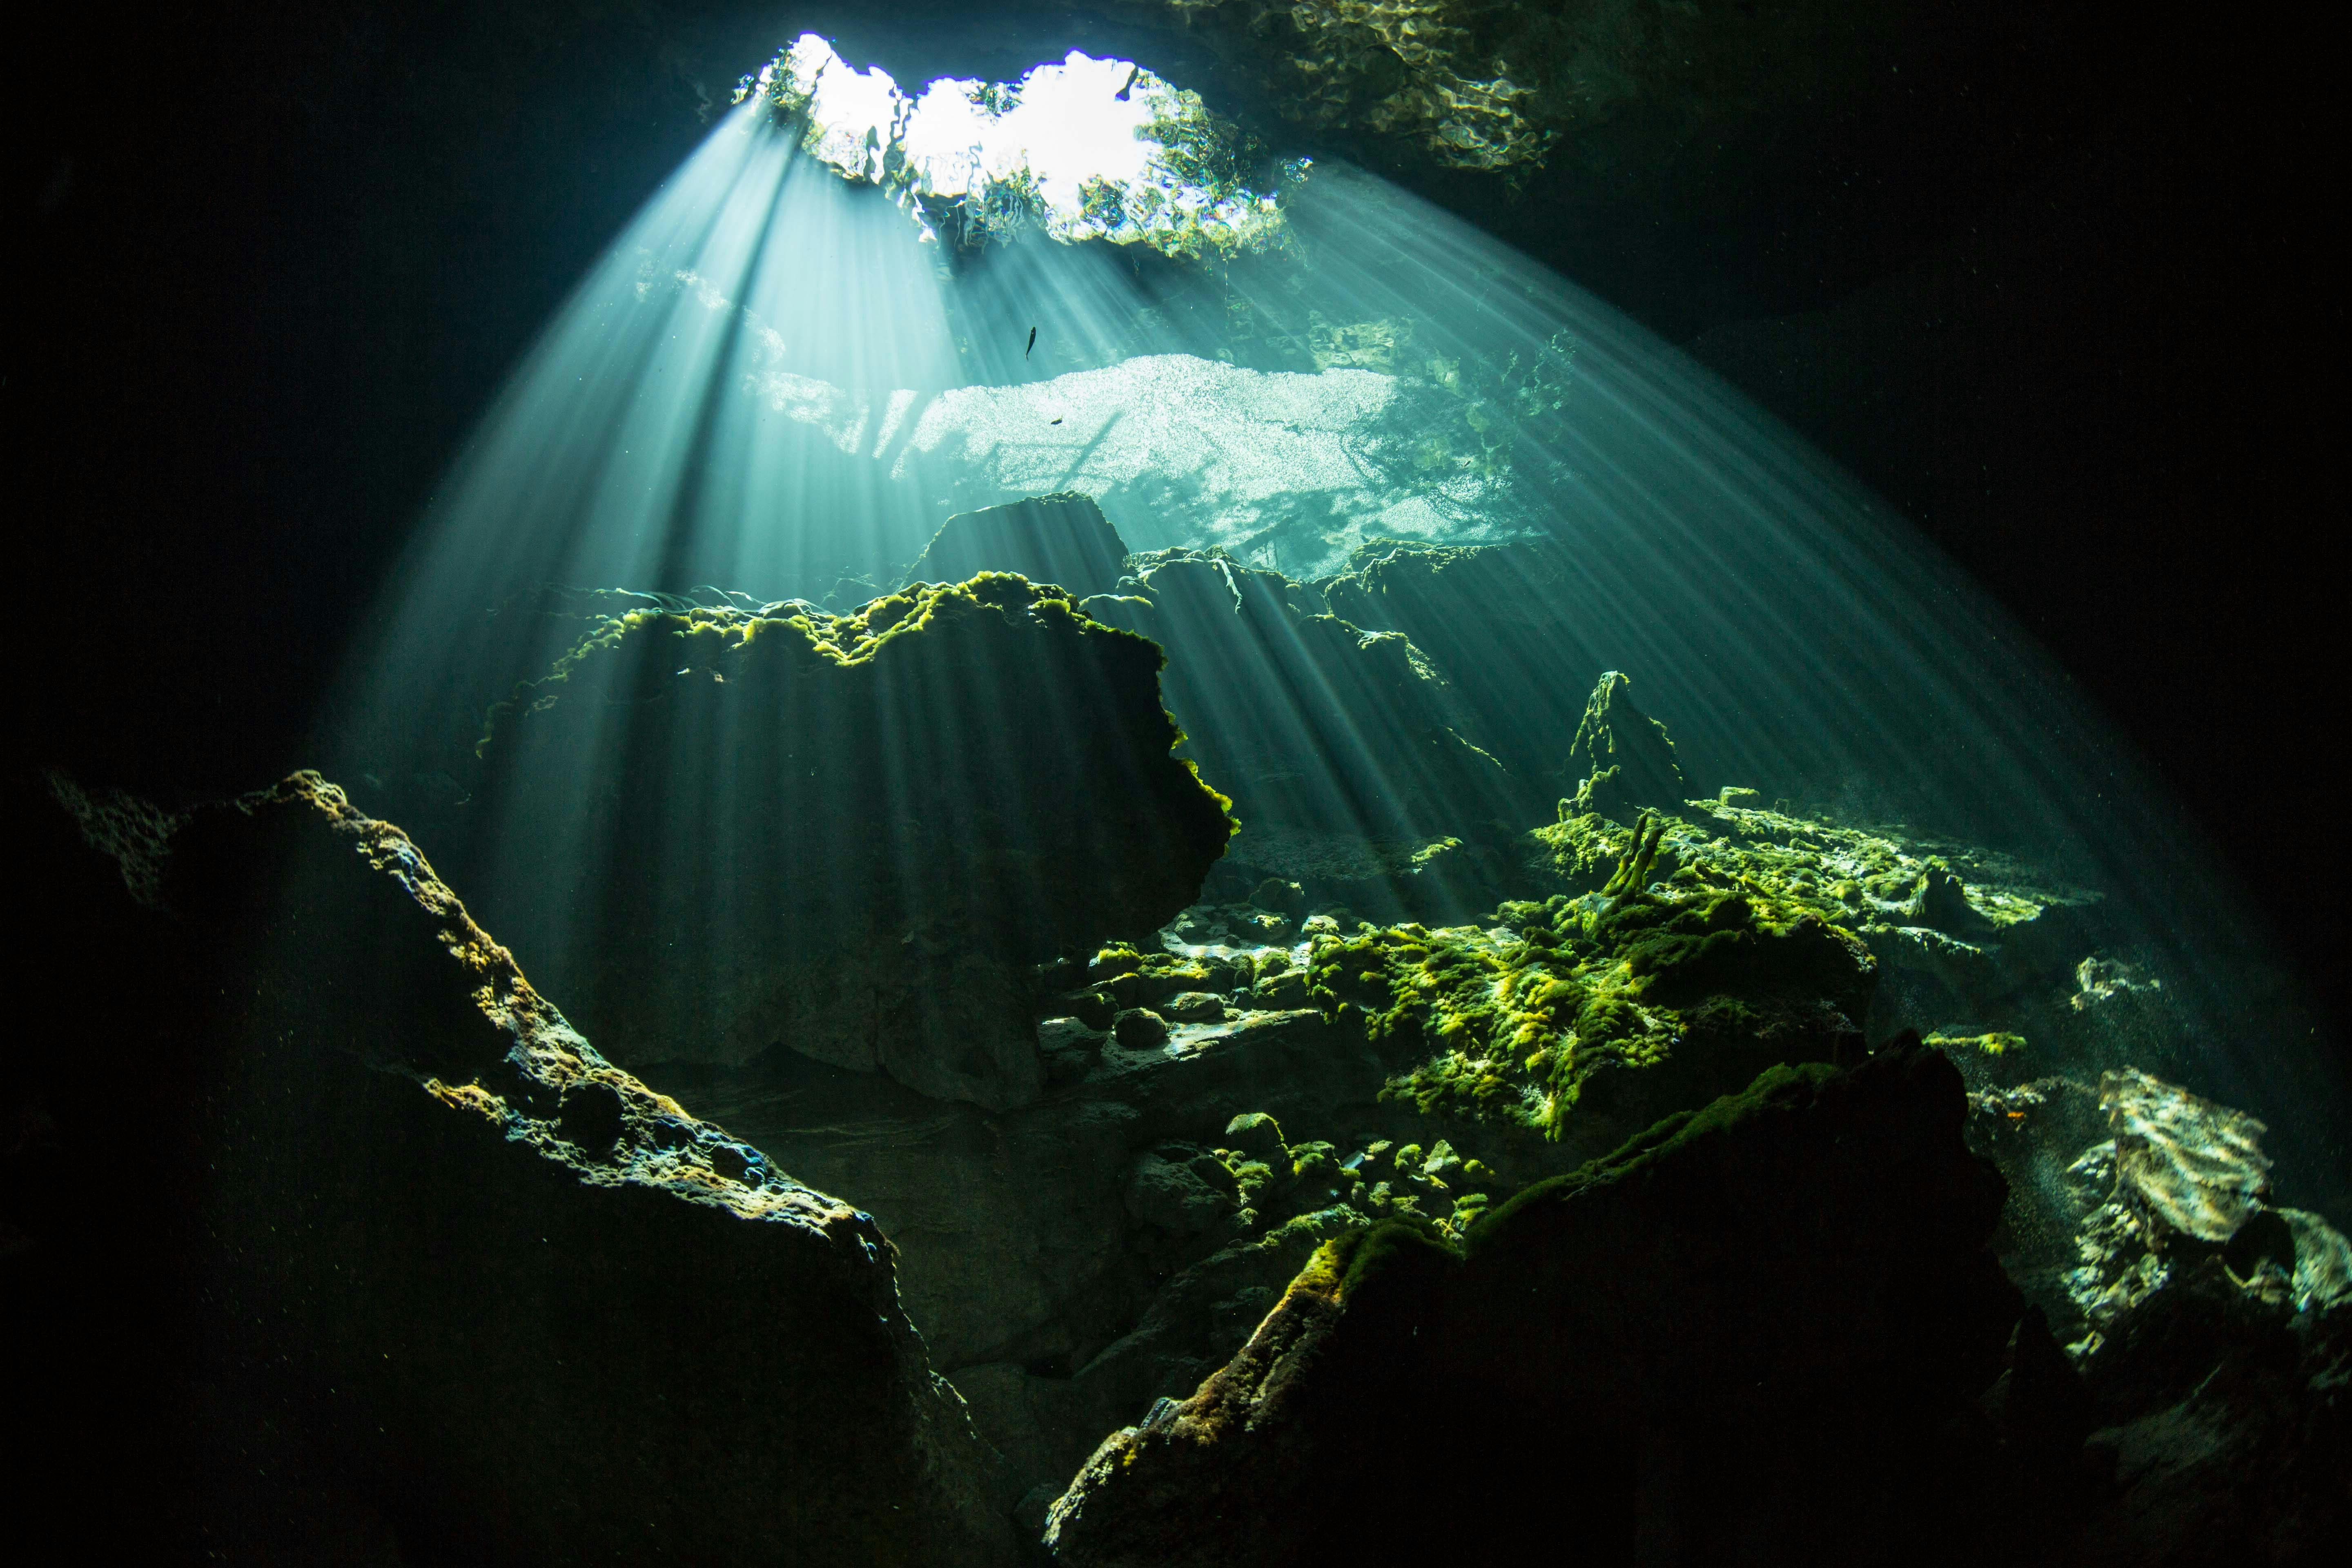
2069, 295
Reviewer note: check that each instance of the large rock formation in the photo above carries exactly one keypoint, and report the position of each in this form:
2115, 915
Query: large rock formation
851, 836
1356, 766
1751, 1335
1328, 738
1063, 539
1216, 1108
1491, 617
351, 1250
2212, 1325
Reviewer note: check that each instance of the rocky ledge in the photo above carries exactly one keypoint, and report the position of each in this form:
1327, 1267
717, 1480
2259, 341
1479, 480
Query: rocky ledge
338, 1244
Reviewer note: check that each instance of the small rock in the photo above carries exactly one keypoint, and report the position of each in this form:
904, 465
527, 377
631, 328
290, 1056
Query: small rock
1174, 1196
1138, 1028
1281, 897
1258, 1135
1266, 926
1093, 1009
1285, 990
1195, 1007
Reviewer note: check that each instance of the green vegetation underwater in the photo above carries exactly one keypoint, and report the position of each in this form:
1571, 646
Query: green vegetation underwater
1078, 839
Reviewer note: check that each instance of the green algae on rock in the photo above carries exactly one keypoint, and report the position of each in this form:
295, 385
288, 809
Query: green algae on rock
425, 1251
1736, 1300
1626, 757
851, 835
1976, 924
1518, 1025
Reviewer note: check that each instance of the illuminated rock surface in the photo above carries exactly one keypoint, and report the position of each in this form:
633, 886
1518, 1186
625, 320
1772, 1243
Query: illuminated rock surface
2213, 1330
1360, 1023
381, 1262
730, 831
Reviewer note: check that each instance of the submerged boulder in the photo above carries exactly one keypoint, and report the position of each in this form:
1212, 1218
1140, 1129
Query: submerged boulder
1961, 932
362, 1253
1355, 768
854, 837
2214, 1327
1491, 617
1354, 764
1752, 1334
1059, 539
1573, 1024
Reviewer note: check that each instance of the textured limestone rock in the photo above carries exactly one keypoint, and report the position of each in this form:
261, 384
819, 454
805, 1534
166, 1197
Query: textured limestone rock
1666, 1352
1489, 616
1570, 1025
1959, 932
1625, 758
421, 1275
1074, 1258
851, 836
2213, 1330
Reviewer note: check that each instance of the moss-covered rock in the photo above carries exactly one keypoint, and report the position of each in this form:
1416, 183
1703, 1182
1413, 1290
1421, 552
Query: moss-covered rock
849, 836
1309, 722
1973, 925
1622, 757
360, 1252
1517, 1026
1681, 1339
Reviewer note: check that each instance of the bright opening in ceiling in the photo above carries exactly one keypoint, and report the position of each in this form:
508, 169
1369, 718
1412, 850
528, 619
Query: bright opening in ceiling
1081, 150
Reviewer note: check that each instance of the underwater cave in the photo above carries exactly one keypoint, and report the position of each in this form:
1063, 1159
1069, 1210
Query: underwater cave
1168, 782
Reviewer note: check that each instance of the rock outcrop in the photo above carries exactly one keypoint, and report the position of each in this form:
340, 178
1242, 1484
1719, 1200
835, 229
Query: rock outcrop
1623, 758
1321, 731
1355, 767
2211, 1326
1063, 539
1491, 617
1961, 934
853, 837
1753, 1334
355, 1251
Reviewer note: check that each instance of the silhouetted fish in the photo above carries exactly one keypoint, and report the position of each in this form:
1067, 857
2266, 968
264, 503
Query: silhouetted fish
1033, 342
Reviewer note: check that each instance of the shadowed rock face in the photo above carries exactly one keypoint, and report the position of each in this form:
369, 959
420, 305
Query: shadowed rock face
1751, 1335
379, 1261
1311, 722
851, 836
1059, 539
1352, 761
1623, 755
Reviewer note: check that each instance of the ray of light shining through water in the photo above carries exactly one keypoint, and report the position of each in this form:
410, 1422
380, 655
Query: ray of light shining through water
773, 383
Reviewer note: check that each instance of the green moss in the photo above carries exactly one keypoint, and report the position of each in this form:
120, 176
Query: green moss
1773, 1088
1993, 1042
1842, 876
1350, 1263
1509, 1028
